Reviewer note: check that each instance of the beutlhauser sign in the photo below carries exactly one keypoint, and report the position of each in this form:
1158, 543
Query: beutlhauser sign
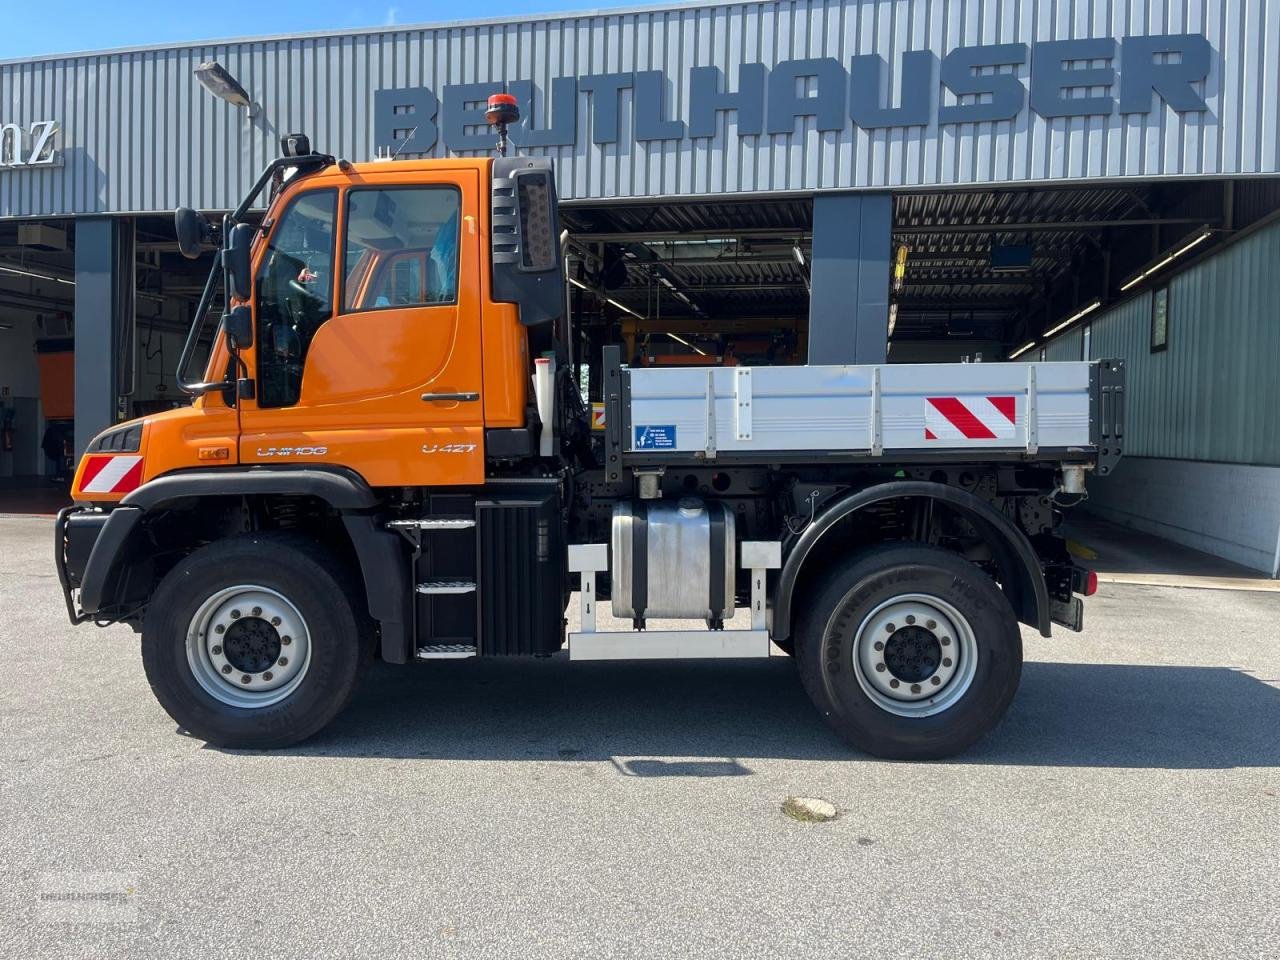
31, 145
1092, 76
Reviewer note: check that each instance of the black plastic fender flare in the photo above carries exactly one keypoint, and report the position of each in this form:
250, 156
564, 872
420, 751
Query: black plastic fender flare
380, 552
1018, 561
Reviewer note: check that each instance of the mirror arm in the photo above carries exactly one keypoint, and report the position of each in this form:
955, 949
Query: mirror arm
197, 387
274, 168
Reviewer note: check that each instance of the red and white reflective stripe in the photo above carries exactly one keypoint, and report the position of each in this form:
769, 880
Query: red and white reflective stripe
118, 474
973, 418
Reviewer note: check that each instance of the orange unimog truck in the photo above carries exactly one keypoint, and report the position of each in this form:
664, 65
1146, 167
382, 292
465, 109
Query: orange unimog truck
389, 456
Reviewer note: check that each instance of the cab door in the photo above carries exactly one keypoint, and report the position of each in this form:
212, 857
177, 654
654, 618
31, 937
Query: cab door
367, 339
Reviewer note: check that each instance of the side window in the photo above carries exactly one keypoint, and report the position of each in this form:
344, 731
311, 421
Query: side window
407, 241
294, 294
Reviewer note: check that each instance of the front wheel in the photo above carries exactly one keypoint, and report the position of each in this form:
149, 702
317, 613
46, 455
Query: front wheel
910, 652
255, 641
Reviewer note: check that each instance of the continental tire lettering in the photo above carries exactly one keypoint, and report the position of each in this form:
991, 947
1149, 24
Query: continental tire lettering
971, 594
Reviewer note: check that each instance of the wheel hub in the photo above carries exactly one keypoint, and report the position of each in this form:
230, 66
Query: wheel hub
248, 646
251, 645
914, 655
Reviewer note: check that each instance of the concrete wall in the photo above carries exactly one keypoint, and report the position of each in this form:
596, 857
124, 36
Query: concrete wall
1231, 510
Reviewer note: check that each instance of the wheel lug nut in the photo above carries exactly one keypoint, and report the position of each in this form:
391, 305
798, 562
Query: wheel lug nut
219, 629
935, 680
286, 640
880, 668
946, 641
267, 675
931, 624
946, 661
879, 645
217, 649
257, 611
894, 684
227, 668
889, 628
910, 619
915, 688
282, 662
275, 621
235, 614
246, 679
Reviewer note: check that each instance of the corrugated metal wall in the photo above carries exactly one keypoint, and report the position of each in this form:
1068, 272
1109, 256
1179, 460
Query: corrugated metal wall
1214, 393
141, 135
1065, 347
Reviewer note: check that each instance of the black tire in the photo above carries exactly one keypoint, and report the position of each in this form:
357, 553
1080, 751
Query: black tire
847, 598
318, 586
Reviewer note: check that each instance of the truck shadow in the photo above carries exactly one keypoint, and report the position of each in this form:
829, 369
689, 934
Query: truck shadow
710, 719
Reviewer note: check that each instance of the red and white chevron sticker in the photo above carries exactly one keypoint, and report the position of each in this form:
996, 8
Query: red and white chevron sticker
117, 474
973, 418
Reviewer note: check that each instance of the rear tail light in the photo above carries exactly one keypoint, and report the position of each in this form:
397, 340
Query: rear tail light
1084, 582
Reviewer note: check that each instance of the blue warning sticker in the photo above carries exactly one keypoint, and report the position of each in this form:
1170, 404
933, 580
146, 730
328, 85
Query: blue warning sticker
660, 436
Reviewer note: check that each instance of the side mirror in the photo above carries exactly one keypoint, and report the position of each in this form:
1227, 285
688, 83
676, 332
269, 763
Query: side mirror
238, 322
236, 263
192, 230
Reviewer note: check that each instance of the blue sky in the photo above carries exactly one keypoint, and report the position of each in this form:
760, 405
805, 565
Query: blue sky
67, 26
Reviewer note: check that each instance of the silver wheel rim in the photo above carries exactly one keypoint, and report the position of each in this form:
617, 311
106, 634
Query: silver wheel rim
248, 646
915, 655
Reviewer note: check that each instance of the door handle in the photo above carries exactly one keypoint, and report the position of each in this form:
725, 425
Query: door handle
459, 397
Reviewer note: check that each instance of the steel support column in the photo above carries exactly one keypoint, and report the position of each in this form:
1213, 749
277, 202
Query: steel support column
104, 322
849, 278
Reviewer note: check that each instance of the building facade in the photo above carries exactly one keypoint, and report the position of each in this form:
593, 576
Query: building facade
948, 178
690, 100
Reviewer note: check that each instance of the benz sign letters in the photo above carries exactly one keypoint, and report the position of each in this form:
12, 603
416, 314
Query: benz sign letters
35, 145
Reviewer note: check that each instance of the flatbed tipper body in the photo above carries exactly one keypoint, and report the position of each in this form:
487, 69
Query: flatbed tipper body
1064, 411
391, 454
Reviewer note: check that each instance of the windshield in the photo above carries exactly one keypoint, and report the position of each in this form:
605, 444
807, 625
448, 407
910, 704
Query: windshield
294, 293
274, 175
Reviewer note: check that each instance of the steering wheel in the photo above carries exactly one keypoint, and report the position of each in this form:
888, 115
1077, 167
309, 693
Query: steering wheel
310, 298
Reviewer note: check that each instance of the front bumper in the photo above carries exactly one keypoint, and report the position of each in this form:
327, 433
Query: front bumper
75, 531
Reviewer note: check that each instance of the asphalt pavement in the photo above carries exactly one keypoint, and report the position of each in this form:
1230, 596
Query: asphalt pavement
1129, 806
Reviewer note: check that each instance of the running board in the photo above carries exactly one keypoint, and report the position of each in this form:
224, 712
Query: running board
446, 651
669, 645
433, 523
435, 587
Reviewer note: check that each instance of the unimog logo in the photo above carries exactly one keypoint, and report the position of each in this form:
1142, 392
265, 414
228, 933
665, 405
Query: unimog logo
35, 145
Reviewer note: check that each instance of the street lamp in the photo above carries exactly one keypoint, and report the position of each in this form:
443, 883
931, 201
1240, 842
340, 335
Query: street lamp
214, 77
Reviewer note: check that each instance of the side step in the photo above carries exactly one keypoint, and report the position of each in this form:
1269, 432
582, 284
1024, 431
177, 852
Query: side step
435, 587
433, 523
446, 651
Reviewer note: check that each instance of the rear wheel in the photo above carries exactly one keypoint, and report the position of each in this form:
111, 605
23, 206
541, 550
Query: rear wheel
255, 641
910, 652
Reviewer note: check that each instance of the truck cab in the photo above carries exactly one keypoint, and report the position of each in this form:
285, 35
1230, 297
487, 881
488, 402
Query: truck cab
388, 456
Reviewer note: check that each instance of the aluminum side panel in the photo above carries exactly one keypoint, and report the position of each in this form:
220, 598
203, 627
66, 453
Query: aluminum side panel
834, 408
